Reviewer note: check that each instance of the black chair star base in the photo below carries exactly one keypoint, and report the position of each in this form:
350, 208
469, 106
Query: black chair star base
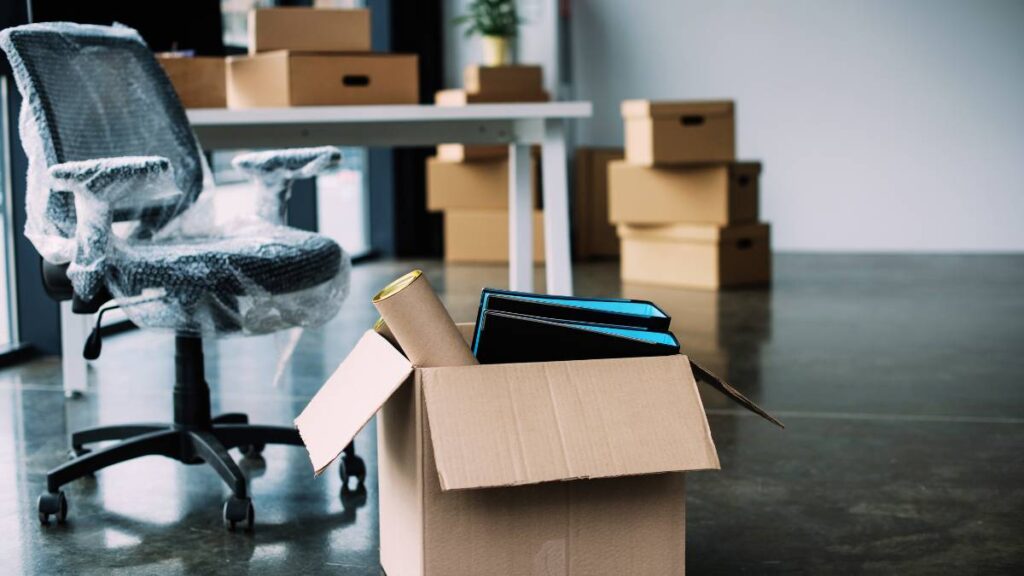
195, 437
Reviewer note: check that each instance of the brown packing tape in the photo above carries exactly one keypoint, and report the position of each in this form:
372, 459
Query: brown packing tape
415, 315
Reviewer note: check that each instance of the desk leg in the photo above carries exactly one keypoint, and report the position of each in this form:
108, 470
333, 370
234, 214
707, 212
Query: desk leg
74, 330
520, 219
556, 209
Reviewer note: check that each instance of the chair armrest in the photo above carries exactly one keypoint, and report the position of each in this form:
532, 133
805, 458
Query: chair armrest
110, 180
277, 167
99, 185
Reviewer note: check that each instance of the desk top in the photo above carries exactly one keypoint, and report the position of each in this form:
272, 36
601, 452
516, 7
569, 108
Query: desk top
425, 113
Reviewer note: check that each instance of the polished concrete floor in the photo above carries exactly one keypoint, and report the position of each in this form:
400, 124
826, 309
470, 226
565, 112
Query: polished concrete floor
900, 379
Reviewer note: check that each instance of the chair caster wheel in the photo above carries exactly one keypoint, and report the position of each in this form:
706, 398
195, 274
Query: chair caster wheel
51, 504
252, 450
239, 511
351, 467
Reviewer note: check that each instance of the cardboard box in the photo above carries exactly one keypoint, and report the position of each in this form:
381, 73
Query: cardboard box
470, 153
509, 82
309, 30
666, 133
481, 236
569, 468
477, 185
719, 194
697, 256
593, 235
199, 81
456, 97
282, 78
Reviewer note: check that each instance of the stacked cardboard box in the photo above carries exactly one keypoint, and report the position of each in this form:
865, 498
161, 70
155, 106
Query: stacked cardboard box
686, 211
593, 236
199, 80
317, 57
469, 184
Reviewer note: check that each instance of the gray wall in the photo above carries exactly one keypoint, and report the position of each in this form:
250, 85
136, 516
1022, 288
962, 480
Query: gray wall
884, 125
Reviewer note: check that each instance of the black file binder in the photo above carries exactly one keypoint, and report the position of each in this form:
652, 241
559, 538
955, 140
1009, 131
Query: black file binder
504, 337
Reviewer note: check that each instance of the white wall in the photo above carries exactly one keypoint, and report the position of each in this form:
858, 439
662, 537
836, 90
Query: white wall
883, 125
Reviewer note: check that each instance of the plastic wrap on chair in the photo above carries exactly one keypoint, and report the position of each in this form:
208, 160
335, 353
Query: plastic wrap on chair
116, 189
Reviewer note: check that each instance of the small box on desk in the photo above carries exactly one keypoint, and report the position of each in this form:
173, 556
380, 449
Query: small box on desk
457, 97
481, 236
200, 81
309, 30
720, 194
510, 82
666, 133
477, 185
696, 256
283, 78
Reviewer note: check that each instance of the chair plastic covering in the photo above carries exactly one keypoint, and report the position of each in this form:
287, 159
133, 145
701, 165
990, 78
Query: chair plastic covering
118, 188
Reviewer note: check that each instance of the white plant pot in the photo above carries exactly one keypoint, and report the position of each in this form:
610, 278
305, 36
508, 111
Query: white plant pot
496, 50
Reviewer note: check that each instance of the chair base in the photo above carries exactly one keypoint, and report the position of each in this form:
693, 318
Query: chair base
193, 438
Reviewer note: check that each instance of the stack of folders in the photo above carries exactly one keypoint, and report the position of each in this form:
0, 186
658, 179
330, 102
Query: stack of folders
523, 327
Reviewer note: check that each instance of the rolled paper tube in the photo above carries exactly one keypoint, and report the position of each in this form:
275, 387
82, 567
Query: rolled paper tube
420, 324
381, 327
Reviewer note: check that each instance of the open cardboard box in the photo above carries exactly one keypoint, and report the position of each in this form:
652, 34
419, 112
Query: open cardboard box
569, 468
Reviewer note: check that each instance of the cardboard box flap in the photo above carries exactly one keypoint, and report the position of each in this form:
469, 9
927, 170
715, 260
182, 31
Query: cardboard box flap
694, 232
651, 109
363, 382
514, 424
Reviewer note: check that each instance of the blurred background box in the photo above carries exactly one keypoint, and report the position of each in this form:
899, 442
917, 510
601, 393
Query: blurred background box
719, 194
459, 97
470, 153
511, 82
309, 30
594, 236
697, 256
476, 185
200, 81
481, 236
284, 78
666, 133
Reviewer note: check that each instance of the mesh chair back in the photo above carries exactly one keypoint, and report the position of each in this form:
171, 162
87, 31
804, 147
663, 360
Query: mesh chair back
97, 92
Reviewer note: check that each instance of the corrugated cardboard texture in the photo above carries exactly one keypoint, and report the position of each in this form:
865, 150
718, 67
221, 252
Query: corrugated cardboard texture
601, 527
721, 194
281, 79
515, 424
350, 397
481, 236
200, 81
668, 133
510, 82
594, 236
309, 30
400, 479
475, 185
692, 256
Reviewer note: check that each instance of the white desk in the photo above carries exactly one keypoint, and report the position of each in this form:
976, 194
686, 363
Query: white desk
518, 125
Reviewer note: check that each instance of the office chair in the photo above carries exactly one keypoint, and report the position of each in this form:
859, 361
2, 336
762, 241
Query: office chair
120, 213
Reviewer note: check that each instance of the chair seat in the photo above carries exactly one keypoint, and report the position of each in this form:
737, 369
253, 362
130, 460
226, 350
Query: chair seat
264, 260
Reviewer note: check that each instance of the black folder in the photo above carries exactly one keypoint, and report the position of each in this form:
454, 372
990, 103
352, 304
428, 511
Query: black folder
640, 314
504, 337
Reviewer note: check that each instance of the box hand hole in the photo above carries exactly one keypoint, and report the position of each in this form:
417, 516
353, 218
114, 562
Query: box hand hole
691, 120
743, 180
744, 244
355, 80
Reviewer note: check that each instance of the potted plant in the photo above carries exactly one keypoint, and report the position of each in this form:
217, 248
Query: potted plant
495, 21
